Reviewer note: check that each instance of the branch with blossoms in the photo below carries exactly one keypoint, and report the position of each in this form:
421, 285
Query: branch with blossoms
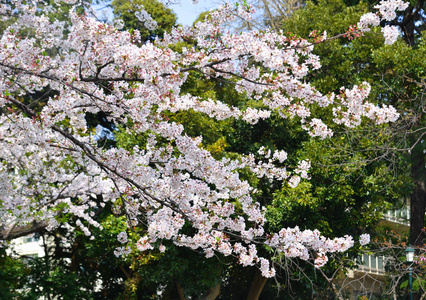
173, 181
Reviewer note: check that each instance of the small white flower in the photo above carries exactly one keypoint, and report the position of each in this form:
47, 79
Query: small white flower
122, 237
390, 33
364, 239
119, 24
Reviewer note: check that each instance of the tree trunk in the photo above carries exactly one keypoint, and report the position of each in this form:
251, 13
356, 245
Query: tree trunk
180, 291
418, 196
418, 200
408, 26
214, 292
257, 286
418, 172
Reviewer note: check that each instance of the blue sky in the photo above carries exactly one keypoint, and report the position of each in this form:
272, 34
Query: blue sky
188, 12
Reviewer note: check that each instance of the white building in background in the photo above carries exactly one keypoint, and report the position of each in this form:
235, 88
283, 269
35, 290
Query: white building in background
370, 277
29, 246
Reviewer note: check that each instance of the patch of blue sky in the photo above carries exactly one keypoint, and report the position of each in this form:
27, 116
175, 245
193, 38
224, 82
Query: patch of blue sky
102, 133
187, 12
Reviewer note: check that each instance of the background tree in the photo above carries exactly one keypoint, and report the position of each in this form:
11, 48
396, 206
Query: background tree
164, 17
12, 275
269, 14
350, 187
396, 73
393, 155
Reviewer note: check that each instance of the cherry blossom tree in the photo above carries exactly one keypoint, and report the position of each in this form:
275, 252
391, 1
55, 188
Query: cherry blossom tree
52, 164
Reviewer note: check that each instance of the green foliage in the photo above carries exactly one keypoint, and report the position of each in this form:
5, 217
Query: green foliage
194, 273
47, 279
344, 62
355, 176
12, 275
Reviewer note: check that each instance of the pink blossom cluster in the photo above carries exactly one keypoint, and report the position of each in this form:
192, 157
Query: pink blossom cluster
387, 8
296, 243
367, 20
50, 162
356, 106
145, 18
122, 237
364, 239
390, 33
119, 251
387, 12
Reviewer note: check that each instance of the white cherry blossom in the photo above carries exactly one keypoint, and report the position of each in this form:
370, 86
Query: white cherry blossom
51, 163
